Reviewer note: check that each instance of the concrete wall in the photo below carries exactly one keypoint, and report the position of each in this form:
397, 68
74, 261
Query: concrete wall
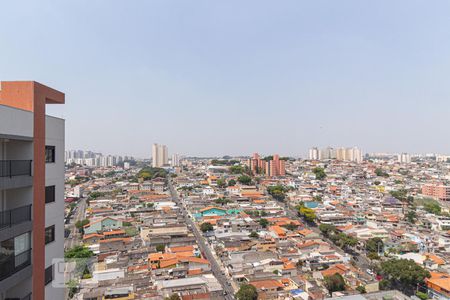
54, 212
16, 122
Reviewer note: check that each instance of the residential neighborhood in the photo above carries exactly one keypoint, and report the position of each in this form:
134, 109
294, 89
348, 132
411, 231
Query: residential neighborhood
212, 228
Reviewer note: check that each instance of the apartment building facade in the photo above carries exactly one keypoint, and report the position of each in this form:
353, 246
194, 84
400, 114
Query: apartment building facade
437, 190
31, 191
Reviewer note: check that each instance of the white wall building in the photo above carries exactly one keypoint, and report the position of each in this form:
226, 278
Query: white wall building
160, 155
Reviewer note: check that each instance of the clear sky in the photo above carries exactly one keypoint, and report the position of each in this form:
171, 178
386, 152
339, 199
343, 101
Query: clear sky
234, 77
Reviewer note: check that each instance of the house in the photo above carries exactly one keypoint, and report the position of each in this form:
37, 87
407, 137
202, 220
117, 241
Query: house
103, 224
217, 211
438, 286
268, 286
92, 238
119, 293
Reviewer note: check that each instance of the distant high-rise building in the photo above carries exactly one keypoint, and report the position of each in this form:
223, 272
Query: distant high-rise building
314, 153
404, 158
273, 167
327, 153
175, 160
160, 155
343, 154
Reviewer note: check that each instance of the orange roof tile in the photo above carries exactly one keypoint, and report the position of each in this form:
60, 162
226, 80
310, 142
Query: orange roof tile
268, 284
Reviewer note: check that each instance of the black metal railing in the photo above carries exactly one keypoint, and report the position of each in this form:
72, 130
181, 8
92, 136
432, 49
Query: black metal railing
15, 216
10, 168
10, 264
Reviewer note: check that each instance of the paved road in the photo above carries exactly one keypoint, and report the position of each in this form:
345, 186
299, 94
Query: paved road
74, 236
204, 248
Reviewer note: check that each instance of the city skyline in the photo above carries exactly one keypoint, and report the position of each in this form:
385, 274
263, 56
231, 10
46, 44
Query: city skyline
328, 73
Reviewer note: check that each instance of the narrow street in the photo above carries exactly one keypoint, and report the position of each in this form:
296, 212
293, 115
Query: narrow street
204, 248
74, 236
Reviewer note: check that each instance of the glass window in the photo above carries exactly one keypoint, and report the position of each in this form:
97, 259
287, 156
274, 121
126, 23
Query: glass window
49, 154
50, 194
49, 275
21, 243
49, 234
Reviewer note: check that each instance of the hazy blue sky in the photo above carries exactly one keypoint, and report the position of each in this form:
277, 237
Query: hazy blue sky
234, 77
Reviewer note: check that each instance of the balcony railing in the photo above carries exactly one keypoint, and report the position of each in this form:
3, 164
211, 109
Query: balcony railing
10, 168
27, 297
10, 264
15, 216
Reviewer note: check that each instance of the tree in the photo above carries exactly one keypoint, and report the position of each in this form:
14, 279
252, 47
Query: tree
374, 245
320, 173
345, 241
317, 198
291, 226
245, 179
278, 192
72, 286
206, 227
361, 289
402, 274
422, 295
82, 223
373, 256
148, 173
327, 229
161, 248
334, 283
380, 173
237, 169
254, 235
432, 207
400, 195
411, 216
231, 182
221, 183
247, 292
307, 213
222, 201
94, 195
78, 252
173, 297
263, 222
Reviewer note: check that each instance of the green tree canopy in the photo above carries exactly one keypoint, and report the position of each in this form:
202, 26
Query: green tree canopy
245, 179
247, 292
263, 222
160, 248
206, 227
78, 252
402, 274
380, 173
401, 195
221, 183
320, 173
374, 245
148, 173
82, 223
254, 235
411, 216
307, 213
334, 283
278, 192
